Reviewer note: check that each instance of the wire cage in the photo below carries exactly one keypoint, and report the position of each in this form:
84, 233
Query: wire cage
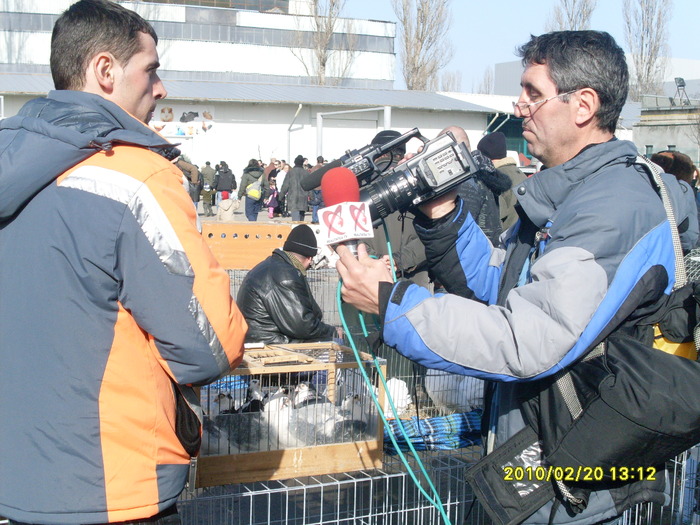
290, 410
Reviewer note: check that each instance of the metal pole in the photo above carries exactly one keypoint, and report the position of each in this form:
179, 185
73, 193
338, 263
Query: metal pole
289, 133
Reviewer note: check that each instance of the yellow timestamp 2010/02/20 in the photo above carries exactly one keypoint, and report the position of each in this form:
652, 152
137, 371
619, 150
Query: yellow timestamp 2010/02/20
578, 474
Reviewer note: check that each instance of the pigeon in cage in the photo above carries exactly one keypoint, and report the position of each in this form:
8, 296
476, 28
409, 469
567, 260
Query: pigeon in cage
254, 401
454, 392
398, 391
223, 403
355, 418
305, 393
243, 427
357, 408
277, 417
280, 392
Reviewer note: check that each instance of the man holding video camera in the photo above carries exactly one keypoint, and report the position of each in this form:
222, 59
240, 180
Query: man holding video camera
581, 259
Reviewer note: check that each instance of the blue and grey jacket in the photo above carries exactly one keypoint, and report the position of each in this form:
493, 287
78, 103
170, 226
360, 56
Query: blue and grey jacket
606, 248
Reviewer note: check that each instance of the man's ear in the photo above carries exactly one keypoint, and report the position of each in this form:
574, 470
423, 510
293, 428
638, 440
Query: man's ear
588, 105
102, 72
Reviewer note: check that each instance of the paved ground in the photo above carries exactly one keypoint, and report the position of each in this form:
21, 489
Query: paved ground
239, 216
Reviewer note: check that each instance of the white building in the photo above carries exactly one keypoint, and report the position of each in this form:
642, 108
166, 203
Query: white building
235, 89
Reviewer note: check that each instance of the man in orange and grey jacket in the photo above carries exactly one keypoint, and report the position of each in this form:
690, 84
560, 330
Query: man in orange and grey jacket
111, 303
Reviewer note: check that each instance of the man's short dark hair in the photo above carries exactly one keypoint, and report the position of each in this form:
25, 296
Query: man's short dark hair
89, 27
583, 59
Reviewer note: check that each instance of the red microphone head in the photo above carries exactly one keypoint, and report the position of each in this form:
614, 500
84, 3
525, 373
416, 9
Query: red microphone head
339, 185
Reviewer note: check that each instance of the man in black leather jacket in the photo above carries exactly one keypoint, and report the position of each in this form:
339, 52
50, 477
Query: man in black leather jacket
275, 297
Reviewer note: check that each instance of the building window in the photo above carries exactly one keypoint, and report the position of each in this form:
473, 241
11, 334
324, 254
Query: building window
278, 6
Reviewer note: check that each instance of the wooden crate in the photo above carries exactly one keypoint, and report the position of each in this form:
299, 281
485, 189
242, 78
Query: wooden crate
250, 447
242, 245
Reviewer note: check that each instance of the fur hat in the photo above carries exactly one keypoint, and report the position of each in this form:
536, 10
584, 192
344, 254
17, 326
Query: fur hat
299, 160
301, 240
493, 145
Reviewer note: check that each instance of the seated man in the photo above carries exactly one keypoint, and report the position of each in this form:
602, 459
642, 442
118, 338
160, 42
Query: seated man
275, 297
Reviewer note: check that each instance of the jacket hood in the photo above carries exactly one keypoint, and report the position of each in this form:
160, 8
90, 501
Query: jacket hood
541, 194
50, 135
253, 172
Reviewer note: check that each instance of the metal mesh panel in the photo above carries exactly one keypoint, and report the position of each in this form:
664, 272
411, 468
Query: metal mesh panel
386, 496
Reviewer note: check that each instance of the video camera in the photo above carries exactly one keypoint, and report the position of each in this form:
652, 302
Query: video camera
442, 164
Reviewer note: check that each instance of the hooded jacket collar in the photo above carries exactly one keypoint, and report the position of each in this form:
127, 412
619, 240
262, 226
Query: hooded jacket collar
541, 194
50, 135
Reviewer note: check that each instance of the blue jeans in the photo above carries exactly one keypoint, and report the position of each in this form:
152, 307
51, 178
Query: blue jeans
252, 208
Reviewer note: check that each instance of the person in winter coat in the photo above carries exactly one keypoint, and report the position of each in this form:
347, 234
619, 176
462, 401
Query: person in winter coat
296, 197
255, 187
225, 181
579, 262
493, 146
208, 188
681, 166
192, 175
275, 297
112, 304
271, 201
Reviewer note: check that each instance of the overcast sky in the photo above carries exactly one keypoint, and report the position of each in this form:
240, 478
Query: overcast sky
485, 35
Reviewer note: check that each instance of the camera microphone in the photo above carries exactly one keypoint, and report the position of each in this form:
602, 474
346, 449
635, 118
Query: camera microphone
345, 219
311, 181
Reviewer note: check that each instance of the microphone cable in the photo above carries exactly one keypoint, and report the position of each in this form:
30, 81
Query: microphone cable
433, 499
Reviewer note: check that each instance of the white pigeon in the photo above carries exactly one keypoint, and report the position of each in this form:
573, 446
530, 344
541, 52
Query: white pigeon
398, 390
454, 392
305, 393
356, 407
277, 416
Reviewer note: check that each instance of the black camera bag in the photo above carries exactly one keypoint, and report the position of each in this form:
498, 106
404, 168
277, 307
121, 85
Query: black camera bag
626, 404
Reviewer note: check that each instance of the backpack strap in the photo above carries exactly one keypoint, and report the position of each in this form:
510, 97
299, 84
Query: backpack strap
653, 170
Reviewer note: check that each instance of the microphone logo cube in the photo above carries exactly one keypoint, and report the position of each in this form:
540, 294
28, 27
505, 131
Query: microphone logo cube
345, 221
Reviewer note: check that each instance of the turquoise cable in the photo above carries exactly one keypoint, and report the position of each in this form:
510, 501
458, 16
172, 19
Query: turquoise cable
435, 503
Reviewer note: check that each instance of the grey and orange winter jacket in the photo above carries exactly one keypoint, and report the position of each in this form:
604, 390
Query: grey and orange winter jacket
108, 298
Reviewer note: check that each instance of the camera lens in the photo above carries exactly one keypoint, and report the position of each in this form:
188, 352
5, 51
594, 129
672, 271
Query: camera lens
395, 191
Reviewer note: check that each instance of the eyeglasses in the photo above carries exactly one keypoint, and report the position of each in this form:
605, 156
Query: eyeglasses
526, 109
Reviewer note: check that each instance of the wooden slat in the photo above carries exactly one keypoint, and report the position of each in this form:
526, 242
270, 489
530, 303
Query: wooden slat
290, 463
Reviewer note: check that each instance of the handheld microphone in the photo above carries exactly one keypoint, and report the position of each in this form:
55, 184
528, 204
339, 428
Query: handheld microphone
313, 180
344, 219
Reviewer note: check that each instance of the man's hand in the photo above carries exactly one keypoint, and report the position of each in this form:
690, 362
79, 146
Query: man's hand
361, 278
437, 208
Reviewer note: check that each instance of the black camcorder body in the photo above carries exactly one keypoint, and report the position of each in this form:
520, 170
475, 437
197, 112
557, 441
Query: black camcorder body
442, 164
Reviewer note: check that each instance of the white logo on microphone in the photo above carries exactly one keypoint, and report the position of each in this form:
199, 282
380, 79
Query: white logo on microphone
345, 221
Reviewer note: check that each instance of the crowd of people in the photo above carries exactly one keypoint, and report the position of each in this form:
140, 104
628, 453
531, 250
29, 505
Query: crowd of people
113, 307
261, 187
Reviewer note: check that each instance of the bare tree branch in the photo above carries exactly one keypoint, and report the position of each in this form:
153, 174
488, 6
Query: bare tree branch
571, 15
451, 81
646, 34
328, 49
486, 84
425, 47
